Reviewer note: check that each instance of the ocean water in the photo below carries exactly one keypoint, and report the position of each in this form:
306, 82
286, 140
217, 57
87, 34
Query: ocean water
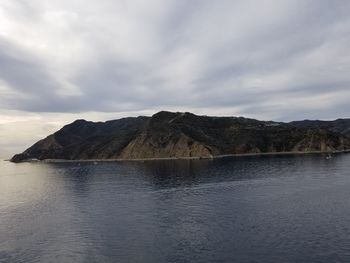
237, 209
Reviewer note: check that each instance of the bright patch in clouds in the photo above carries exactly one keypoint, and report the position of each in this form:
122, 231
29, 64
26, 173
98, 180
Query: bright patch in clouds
272, 59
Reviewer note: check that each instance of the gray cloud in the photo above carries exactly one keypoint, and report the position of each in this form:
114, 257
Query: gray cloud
24, 75
272, 59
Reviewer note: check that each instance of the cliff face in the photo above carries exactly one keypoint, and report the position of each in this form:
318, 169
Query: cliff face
168, 134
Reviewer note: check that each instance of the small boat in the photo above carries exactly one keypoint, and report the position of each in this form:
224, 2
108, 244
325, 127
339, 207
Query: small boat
329, 156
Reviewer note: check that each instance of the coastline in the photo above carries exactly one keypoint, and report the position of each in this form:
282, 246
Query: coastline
187, 158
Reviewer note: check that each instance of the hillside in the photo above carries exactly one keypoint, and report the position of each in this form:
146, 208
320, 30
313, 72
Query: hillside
180, 135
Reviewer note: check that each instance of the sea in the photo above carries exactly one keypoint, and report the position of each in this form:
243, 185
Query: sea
285, 208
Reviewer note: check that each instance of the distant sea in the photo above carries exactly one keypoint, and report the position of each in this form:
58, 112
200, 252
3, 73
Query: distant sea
293, 208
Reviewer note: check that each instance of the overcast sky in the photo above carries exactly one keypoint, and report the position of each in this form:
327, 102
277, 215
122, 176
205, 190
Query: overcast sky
66, 59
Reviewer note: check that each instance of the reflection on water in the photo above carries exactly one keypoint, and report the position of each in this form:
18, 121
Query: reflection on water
246, 209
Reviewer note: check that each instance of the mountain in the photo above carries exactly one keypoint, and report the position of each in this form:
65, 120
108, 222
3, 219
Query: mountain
340, 125
181, 135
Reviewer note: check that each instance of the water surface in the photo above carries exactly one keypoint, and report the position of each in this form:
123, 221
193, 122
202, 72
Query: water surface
237, 209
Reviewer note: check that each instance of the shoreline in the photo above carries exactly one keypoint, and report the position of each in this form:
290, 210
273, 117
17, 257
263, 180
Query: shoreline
185, 158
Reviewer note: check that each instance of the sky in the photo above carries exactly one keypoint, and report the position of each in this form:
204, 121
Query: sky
62, 60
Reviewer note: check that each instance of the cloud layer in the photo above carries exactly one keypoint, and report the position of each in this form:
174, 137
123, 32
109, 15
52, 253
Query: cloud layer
270, 59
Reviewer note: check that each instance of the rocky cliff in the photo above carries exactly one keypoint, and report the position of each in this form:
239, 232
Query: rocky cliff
168, 134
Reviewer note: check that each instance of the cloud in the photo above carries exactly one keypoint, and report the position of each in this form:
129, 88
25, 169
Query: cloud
266, 59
